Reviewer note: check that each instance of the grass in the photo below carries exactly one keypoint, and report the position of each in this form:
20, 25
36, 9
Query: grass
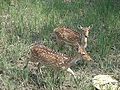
24, 22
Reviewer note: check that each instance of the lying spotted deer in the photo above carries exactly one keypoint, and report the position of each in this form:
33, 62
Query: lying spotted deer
55, 60
72, 37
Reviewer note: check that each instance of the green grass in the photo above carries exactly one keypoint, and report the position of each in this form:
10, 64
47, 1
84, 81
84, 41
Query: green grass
25, 22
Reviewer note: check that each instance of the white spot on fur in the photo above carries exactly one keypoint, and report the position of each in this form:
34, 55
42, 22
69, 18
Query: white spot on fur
85, 39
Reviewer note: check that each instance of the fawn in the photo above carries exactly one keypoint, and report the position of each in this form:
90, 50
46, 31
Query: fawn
72, 37
55, 60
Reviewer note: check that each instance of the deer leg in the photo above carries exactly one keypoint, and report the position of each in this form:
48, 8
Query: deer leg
78, 46
26, 65
71, 71
58, 42
40, 67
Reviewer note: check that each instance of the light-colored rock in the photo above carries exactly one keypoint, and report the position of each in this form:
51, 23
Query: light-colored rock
105, 82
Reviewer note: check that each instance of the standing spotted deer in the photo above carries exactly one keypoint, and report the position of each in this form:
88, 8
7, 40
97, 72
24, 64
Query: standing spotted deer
55, 60
72, 37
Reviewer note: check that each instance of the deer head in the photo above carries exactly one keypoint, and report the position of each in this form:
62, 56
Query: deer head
84, 54
85, 30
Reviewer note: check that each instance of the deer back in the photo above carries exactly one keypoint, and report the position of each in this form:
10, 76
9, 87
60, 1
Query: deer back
48, 57
67, 35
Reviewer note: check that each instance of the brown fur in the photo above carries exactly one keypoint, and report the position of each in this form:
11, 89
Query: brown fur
53, 59
72, 37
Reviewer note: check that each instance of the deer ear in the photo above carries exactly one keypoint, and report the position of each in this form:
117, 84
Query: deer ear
90, 26
80, 27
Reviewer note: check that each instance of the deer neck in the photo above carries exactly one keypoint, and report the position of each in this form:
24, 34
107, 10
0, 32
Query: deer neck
73, 59
83, 38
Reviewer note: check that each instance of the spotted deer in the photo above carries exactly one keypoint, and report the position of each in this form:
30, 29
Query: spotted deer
72, 37
56, 60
